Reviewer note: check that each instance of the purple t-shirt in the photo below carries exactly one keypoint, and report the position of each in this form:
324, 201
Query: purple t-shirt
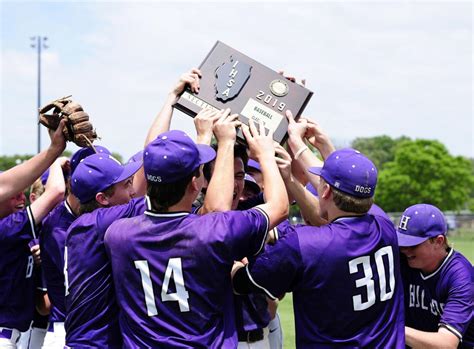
443, 298
345, 279
17, 283
92, 311
52, 241
172, 275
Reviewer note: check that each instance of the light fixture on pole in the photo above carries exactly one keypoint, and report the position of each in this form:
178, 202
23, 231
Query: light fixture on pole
39, 42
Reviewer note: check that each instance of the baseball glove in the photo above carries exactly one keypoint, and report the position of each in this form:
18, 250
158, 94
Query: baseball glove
78, 128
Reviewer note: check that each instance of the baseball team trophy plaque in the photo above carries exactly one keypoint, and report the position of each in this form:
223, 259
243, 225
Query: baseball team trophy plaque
232, 80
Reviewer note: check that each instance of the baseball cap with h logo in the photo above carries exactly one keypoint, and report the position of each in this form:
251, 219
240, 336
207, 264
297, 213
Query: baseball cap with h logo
419, 223
172, 156
349, 171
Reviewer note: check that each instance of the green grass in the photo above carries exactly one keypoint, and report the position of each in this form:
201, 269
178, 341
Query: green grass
462, 242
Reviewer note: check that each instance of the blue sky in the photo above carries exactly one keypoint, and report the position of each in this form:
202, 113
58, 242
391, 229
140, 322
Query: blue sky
398, 68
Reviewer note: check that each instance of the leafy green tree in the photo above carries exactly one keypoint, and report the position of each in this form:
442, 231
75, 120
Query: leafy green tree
424, 172
380, 149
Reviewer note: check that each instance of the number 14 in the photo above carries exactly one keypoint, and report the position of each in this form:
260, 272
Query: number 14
173, 271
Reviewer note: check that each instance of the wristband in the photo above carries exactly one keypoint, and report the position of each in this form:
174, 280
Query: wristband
300, 151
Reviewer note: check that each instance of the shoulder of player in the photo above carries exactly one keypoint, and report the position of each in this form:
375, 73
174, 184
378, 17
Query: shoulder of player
16, 221
458, 269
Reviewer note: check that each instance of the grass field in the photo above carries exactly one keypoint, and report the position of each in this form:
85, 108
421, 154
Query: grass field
463, 242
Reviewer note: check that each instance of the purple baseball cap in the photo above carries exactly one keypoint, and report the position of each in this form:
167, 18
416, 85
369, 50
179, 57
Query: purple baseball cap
172, 156
349, 171
82, 153
419, 223
136, 157
251, 183
98, 172
254, 165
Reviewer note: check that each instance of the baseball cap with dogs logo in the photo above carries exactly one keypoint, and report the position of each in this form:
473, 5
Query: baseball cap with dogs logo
98, 172
349, 171
419, 223
172, 156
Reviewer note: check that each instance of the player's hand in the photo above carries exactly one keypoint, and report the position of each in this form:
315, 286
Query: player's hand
58, 141
283, 160
190, 78
296, 130
260, 145
318, 138
302, 82
204, 122
225, 127
35, 252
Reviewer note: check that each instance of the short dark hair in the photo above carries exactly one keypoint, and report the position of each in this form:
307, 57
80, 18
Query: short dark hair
349, 203
92, 204
164, 195
240, 151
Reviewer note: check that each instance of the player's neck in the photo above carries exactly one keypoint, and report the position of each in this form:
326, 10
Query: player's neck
184, 205
74, 204
334, 213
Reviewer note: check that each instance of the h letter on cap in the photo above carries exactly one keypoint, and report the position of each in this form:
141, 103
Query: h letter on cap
404, 222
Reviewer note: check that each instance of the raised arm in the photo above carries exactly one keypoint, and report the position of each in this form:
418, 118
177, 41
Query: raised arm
22, 176
162, 121
220, 190
261, 146
53, 194
308, 203
306, 129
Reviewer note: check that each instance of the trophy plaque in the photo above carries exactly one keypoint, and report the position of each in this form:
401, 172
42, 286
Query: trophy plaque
232, 80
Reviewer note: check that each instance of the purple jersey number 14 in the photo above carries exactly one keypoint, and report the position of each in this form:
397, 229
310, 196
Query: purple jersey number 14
173, 271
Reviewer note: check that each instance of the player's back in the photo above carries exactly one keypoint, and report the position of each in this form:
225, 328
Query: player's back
349, 292
172, 275
91, 306
16, 270
52, 241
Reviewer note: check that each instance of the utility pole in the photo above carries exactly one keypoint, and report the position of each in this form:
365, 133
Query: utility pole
39, 42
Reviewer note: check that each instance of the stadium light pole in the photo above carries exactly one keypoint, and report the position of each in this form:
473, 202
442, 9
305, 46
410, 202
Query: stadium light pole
39, 43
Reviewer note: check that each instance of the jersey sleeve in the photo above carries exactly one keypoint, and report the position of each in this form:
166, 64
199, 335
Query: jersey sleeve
18, 226
244, 232
109, 215
458, 310
277, 269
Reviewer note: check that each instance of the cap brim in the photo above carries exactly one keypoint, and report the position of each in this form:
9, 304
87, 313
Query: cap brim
254, 164
206, 153
315, 170
405, 240
128, 171
254, 186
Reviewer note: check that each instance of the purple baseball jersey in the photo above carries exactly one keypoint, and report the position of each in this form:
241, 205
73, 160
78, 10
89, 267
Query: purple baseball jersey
17, 283
346, 282
52, 241
172, 275
443, 298
92, 311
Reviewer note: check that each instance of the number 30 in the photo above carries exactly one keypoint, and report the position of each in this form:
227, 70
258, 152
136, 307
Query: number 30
367, 280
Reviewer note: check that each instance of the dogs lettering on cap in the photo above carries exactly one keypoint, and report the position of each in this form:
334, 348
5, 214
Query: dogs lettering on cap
152, 178
362, 189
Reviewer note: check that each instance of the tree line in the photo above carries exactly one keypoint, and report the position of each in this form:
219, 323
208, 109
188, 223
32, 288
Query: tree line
410, 172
